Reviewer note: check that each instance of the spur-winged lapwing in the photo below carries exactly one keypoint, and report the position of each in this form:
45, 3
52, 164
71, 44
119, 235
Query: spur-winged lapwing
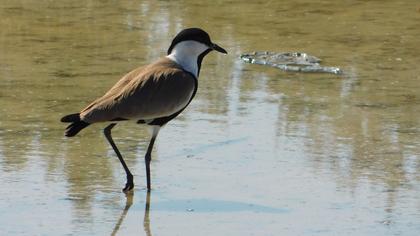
153, 94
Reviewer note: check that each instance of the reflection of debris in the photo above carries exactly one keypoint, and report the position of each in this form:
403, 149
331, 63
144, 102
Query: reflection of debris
289, 61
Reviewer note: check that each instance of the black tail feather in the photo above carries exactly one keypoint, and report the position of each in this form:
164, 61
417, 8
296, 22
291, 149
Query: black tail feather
75, 128
71, 118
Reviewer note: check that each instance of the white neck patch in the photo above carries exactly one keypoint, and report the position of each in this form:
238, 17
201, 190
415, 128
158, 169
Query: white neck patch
186, 53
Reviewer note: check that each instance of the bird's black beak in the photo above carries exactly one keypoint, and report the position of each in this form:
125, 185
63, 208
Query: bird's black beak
218, 48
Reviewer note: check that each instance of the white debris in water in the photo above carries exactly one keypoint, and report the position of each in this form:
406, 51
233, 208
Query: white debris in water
289, 61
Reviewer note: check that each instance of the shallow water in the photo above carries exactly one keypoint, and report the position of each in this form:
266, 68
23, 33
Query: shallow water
258, 151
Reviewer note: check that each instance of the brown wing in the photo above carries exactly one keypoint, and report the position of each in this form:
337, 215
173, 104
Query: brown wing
158, 90
117, 88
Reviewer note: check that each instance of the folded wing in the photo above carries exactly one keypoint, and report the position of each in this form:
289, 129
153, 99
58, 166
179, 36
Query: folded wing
158, 90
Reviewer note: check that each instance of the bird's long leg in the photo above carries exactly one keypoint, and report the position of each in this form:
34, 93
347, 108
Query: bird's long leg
147, 160
130, 184
148, 156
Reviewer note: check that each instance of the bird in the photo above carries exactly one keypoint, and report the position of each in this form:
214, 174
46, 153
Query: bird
152, 95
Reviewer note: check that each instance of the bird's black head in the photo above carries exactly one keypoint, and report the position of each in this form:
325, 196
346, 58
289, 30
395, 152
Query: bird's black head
195, 34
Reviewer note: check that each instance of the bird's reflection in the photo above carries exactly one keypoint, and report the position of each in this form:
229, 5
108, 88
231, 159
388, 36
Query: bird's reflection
146, 219
128, 203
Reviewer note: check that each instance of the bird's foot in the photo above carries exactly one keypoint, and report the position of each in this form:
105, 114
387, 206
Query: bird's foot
129, 185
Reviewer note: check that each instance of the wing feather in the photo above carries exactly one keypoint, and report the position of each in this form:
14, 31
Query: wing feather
158, 90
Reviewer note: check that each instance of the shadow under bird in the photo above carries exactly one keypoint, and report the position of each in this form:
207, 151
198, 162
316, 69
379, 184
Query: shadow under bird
153, 94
